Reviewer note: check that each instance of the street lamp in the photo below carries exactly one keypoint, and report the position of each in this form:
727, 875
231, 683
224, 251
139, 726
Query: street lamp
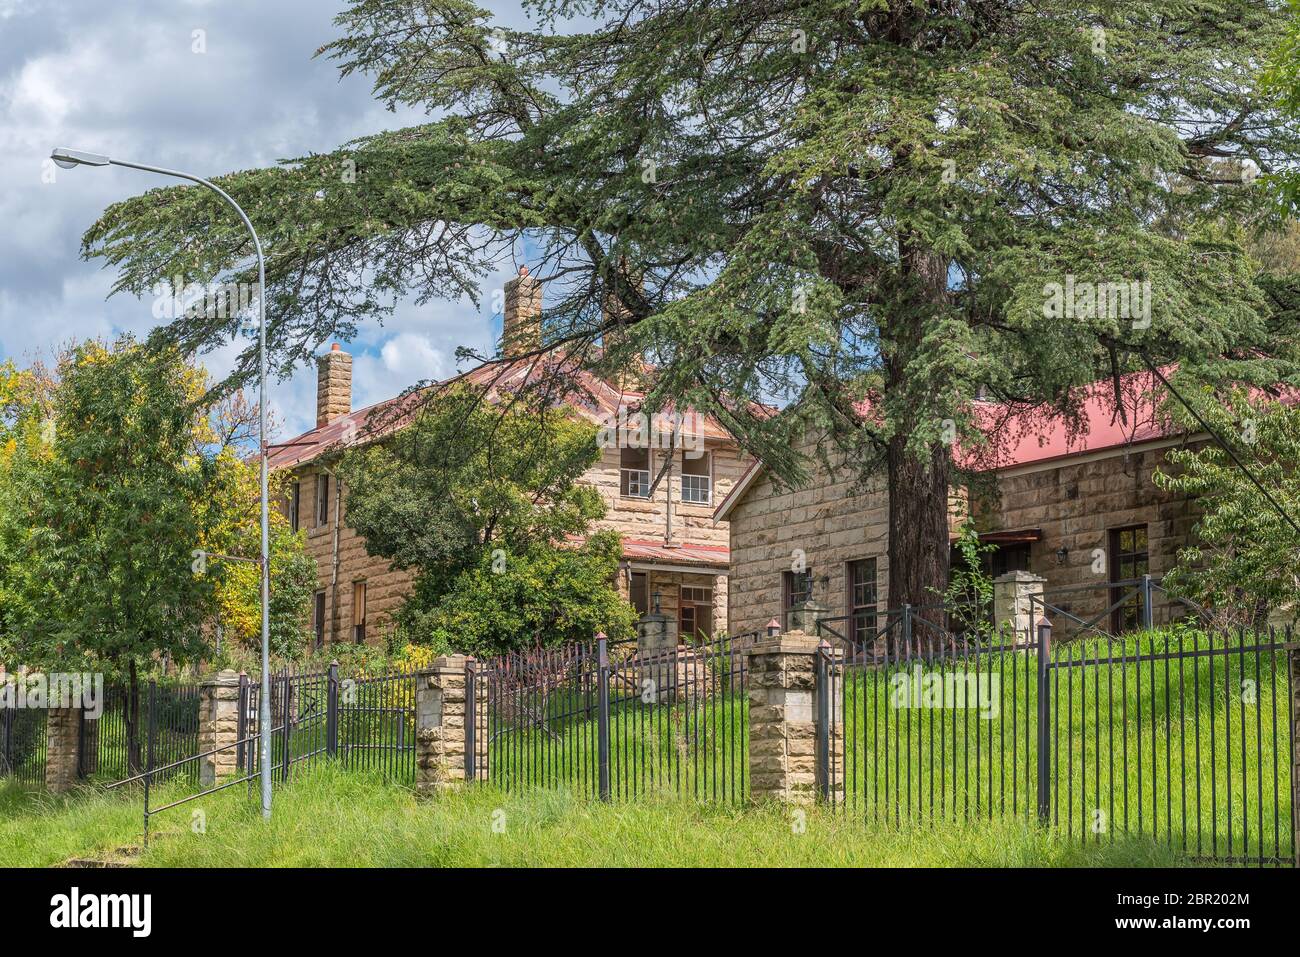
67, 159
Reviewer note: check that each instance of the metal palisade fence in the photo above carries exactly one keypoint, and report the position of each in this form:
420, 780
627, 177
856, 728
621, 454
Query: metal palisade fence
23, 746
365, 722
115, 744
613, 722
1181, 736
163, 716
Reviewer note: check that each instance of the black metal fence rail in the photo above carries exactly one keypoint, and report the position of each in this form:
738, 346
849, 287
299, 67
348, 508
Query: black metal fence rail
613, 724
1148, 602
1075, 611
367, 722
23, 745
1185, 740
112, 746
918, 626
155, 773
895, 752
1180, 737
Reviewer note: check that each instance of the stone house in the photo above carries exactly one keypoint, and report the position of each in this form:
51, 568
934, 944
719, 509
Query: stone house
1072, 504
672, 546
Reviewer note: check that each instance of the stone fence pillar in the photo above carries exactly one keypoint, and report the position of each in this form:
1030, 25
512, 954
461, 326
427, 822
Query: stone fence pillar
656, 632
804, 616
656, 647
63, 750
440, 725
218, 727
783, 716
1013, 610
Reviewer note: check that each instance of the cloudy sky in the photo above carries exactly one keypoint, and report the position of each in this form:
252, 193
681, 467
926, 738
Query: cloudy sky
123, 78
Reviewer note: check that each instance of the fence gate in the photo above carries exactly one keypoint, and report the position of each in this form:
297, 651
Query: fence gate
366, 723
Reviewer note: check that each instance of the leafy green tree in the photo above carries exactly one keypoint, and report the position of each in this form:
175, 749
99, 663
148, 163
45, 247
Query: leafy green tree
792, 203
116, 516
483, 506
117, 495
531, 597
1245, 559
239, 585
25, 435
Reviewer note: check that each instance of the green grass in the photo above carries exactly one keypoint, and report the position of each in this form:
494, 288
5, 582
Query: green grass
331, 817
1190, 750
696, 746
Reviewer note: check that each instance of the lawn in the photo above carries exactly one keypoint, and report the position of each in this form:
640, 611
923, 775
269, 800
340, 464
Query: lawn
332, 817
1151, 735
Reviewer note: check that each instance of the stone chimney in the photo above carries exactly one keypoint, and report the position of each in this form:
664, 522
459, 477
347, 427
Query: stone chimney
523, 315
333, 386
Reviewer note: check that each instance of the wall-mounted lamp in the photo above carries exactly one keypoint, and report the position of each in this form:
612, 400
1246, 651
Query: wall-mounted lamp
1062, 554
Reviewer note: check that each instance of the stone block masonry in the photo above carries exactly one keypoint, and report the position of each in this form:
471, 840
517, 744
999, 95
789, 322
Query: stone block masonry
218, 728
440, 725
783, 718
63, 743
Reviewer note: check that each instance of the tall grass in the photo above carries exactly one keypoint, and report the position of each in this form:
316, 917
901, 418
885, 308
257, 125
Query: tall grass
1153, 735
332, 817
1171, 734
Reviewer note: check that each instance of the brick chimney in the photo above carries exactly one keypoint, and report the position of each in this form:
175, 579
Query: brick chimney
333, 386
523, 315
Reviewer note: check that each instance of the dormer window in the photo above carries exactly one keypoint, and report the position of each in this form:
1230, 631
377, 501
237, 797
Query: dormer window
634, 473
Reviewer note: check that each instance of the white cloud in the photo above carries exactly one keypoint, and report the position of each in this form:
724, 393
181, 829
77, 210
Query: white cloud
121, 78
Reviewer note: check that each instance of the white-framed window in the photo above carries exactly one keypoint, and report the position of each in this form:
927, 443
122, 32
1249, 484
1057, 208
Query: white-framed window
860, 578
697, 479
634, 473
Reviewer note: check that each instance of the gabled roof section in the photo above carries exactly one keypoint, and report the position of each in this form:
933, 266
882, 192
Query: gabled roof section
596, 399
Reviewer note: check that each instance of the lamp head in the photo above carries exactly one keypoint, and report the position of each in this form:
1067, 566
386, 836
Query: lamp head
67, 158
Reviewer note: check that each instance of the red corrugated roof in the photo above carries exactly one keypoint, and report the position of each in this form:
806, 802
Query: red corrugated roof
643, 550
683, 554
1018, 437
597, 399
1024, 438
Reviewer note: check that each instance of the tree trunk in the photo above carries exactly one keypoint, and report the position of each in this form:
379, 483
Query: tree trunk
918, 535
918, 483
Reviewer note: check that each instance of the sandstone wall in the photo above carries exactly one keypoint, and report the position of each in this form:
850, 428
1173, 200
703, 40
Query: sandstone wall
831, 520
386, 587
1074, 504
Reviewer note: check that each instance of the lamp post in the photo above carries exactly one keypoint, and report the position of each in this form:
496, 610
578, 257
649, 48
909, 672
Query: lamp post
67, 159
